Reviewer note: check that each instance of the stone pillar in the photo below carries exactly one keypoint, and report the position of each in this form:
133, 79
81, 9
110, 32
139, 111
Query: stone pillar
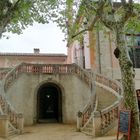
79, 120
96, 124
4, 126
20, 123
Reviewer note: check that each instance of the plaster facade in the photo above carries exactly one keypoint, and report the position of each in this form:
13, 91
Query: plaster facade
75, 95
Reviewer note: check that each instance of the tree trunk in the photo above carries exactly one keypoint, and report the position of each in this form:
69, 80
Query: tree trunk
130, 99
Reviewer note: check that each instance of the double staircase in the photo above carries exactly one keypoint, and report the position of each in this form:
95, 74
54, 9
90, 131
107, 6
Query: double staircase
97, 118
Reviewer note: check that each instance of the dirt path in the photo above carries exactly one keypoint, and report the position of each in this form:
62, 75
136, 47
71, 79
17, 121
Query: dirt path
54, 132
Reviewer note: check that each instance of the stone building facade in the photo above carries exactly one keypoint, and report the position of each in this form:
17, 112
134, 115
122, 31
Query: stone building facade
96, 52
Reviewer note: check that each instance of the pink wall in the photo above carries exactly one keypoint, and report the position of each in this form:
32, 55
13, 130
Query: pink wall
11, 59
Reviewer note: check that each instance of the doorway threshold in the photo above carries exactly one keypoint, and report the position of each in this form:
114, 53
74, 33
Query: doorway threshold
47, 121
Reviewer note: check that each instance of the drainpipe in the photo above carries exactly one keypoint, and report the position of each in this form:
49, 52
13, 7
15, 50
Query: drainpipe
98, 50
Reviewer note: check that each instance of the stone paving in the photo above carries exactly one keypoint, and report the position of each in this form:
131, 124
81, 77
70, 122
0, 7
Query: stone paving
54, 132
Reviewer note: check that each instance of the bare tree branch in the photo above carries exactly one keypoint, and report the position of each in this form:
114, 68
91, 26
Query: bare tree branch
99, 11
82, 31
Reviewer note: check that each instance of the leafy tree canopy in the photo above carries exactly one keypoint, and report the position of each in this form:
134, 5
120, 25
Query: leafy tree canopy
70, 15
16, 15
106, 12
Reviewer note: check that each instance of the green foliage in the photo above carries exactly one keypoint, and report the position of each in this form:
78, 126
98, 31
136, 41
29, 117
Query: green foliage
70, 15
111, 15
18, 14
133, 26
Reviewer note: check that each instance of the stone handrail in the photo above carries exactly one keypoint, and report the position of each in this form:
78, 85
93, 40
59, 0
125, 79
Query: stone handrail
105, 119
6, 108
85, 114
12, 76
114, 85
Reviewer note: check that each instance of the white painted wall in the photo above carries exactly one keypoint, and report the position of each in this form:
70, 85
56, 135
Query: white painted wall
87, 51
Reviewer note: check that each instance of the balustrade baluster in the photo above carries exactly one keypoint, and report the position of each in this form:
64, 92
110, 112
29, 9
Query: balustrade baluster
64, 69
105, 119
50, 69
102, 121
46, 69
109, 118
68, 69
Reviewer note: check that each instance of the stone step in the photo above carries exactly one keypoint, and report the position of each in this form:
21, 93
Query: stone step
90, 124
12, 131
105, 100
89, 133
88, 129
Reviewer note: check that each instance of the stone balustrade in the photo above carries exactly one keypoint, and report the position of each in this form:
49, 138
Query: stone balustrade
109, 83
84, 115
58, 69
16, 119
105, 119
46, 69
3, 74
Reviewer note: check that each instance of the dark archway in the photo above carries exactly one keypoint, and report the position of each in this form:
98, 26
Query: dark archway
49, 103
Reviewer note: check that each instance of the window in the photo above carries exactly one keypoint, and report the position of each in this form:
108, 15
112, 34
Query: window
133, 42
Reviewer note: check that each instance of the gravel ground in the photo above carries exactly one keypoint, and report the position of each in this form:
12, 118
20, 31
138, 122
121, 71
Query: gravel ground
54, 132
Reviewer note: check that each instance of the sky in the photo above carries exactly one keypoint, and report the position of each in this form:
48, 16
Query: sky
47, 37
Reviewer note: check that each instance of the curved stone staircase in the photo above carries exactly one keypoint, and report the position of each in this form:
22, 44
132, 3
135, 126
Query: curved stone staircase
98, 116
105, 99
102, 120
11, 122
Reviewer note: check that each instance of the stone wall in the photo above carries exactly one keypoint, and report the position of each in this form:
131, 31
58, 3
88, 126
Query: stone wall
23, 95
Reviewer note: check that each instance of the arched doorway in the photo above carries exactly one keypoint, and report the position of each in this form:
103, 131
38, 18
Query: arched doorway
49, 103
